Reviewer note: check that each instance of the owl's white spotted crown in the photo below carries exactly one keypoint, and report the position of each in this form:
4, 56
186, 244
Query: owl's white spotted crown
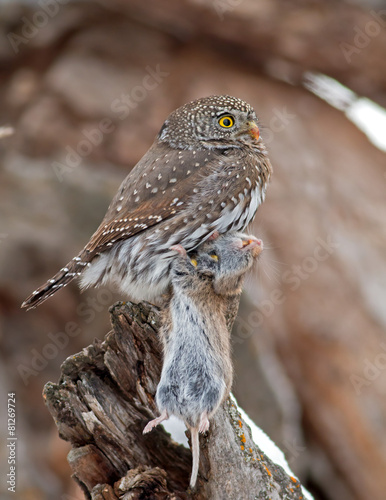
195, 124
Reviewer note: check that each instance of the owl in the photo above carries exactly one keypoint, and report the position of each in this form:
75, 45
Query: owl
205, 174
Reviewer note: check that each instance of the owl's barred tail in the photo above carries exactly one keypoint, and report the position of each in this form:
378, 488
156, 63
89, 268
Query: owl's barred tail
72, 270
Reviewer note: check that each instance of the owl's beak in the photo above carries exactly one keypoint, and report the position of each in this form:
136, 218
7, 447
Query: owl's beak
253, 130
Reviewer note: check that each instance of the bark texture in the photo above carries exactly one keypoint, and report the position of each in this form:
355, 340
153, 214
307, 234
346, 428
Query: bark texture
105, 397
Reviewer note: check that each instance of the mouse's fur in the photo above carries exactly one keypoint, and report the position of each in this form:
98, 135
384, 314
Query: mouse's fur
197, 371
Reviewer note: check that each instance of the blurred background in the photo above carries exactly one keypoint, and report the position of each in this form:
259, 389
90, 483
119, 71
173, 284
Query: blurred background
86, 86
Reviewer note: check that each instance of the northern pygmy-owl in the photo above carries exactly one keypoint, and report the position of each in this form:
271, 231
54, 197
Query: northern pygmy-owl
205, 174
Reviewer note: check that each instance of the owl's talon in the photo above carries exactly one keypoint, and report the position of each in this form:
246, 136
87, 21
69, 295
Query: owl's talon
214, 236
180, 249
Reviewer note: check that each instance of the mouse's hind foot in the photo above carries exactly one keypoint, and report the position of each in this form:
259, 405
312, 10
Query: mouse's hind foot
153, 423
203, 425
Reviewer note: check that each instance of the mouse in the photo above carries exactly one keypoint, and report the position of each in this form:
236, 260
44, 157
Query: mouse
197, 371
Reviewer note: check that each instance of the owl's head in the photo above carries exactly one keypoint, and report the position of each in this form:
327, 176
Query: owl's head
211, 122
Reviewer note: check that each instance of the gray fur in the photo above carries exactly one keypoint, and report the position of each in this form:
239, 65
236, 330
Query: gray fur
197, 371
194, 377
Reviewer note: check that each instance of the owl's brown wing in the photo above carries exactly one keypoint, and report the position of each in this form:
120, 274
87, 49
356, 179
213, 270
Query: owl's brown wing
158, 187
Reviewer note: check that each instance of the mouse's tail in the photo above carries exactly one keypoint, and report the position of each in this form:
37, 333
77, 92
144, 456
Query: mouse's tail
196, 455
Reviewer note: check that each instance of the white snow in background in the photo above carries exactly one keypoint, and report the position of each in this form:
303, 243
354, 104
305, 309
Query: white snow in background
176, 428
6, 131
371, 118
364, 113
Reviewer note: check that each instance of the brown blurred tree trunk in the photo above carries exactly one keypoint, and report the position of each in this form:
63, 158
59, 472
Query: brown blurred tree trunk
284, 38
329, 181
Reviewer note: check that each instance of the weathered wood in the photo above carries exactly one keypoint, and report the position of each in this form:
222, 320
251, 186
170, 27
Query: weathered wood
102, 402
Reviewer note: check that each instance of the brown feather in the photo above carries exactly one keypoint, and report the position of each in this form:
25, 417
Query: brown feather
152, 208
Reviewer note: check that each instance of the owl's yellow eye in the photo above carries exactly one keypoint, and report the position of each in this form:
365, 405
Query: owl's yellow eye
194, 262
226, 121
214, 257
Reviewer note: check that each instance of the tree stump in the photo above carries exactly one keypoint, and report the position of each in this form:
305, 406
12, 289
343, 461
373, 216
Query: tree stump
103, 400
